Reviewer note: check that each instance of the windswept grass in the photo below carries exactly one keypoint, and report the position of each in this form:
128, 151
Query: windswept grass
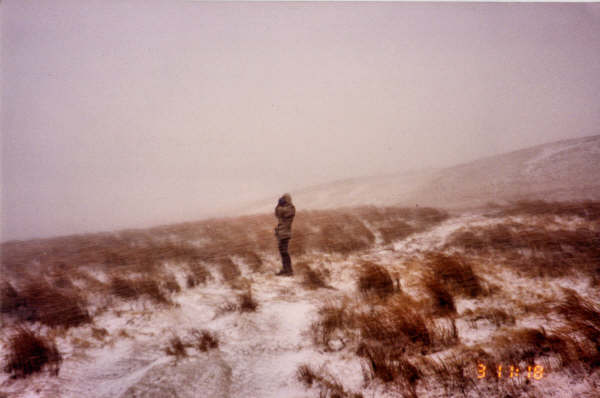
229, 270
589, 210
176, 348
455, 273
205, 340
348, 230
375, 279
328, 385
495, 316
397, 327
333, 317
312, 278
133, 289
442, 300
535, 251
398, 323
247, 303
582, 324
38, 301
382, 364
29, 353
10, 301
197, 273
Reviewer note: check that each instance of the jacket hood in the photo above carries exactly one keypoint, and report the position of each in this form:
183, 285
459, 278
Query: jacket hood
288, 198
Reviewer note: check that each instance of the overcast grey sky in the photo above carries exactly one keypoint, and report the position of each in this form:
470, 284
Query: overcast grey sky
124, 113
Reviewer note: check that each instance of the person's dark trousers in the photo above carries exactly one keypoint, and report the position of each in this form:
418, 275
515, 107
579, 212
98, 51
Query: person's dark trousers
285, 256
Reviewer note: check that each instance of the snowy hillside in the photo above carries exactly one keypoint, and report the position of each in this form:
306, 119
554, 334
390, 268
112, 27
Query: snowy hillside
385, 302
564, 170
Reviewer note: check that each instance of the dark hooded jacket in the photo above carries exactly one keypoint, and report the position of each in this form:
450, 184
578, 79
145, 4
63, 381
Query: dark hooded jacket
285, 212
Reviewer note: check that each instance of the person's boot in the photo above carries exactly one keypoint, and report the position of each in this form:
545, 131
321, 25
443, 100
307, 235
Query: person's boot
284, 273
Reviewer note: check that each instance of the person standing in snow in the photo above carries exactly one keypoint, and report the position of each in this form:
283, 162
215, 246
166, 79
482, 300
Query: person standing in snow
285, 212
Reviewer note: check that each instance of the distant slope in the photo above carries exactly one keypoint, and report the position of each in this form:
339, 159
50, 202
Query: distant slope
563, 170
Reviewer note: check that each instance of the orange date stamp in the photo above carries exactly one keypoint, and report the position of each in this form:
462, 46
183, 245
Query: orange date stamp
535, 372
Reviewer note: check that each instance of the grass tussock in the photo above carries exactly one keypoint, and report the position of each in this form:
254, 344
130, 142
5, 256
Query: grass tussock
455, 273
398, 328
582, 324
133, 289
252, 259
454, 373
375, 279
328, 385
99, 333
229, 270
205, 340
312, 278
535, 346
334, 319
41, 302
247, 303
10, 301
442, 300
169, 283
29, 353
176, 348
197, 275
382, 364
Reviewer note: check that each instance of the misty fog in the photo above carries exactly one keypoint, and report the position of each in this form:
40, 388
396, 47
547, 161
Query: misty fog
130, 114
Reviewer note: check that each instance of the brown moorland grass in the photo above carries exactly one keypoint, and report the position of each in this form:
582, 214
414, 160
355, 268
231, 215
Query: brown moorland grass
29, 353
495, 316
205, 340
536, 251
398, 323
344, 231
453, 372
333, 317
395, 223
213, 241
197, 273
343, 234
176, 348
169, 283
41, 302
328, 385
582, 324
442, 300
252, 259
396, 230
312, 278
133, 289
387, 367
589, 210
455, 273
552, 350
247, 303
10, 301
229, 270
375, 279
400, 329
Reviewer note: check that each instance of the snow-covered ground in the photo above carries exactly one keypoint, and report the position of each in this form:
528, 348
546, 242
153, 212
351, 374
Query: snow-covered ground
259, 352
